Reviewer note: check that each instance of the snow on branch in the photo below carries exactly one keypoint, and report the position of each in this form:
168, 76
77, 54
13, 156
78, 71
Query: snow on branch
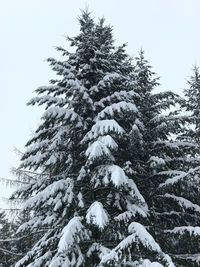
117, 175
184, 203
138, 236
108, 141
97, 150
72, 234
53, 193
69, 252
97, 215
191, 175
116, 107
103, 127
48, 99
61, 114
115, 97
130, 214
144, 263
192, 230
173, 180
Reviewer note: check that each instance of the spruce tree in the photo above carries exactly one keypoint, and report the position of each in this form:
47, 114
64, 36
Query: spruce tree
192, 106
156, 153
176, 210
85, 200
164, 175
183, 190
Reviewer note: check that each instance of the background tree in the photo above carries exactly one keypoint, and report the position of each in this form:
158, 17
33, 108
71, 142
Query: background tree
192, 106
14, 245
176, 201
162, 161
183, 190
8, 247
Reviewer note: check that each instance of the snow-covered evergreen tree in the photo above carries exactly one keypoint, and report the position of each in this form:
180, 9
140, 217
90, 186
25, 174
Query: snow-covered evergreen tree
192, 105
183, 190
85, 200
165, 157
154, 135
174, 200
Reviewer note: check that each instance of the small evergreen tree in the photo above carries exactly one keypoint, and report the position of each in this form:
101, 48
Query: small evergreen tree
192, 106
85, 200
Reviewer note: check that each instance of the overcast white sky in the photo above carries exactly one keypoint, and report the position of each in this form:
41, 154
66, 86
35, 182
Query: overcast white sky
168, 30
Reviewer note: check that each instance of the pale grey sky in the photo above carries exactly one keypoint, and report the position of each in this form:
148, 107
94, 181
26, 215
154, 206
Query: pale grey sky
168, 30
